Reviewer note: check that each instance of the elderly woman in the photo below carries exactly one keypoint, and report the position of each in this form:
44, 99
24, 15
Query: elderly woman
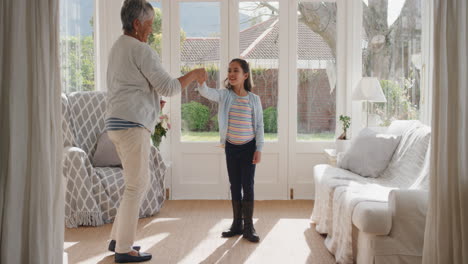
136, 80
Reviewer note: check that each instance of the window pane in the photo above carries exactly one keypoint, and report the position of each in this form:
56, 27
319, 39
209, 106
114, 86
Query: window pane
77, 45
258, 45
155, 39
200, 48
392, 53
316, 71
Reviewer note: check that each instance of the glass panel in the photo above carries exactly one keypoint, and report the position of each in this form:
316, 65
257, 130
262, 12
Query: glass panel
316, 71
392, 52
155, 39
200, 45
77, 45
259, 45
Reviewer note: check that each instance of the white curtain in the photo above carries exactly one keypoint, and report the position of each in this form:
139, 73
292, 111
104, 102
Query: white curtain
31, 189
427, 71
446, 236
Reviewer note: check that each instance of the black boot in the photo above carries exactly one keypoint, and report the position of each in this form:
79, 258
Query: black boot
249, 231
237, 224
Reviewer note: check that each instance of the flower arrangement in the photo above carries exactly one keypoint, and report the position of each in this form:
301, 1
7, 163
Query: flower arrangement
160, 130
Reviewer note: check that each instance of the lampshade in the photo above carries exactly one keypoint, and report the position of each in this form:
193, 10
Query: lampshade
369, 89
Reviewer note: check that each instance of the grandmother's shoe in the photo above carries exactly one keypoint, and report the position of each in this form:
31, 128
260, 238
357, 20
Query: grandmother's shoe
126, 257
112, 246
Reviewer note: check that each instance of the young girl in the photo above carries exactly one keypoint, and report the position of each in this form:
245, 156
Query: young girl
240, 118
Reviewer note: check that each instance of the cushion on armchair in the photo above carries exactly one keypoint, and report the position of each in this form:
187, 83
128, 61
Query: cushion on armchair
106, 153
369, 154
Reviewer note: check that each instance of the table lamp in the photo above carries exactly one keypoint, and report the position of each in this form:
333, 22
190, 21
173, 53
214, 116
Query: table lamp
369, 90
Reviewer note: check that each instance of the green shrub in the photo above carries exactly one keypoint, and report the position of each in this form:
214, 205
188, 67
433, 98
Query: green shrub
270, 117
196, 116
214, 123
398, 105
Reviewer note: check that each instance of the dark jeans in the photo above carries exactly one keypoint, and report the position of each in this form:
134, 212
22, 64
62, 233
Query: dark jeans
241, 170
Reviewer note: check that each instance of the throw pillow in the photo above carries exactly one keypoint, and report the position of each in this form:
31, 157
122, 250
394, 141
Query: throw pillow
369, 154
106, 154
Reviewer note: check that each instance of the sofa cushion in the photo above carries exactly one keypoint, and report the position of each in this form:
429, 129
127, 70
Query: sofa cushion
373, 218
369, 154
105, 154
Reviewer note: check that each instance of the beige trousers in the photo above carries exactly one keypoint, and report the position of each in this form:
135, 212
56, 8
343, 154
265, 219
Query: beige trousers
133, 148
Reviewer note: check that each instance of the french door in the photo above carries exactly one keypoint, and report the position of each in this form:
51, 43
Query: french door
291, 67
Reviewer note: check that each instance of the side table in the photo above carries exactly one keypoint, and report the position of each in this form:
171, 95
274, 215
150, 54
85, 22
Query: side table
331, 156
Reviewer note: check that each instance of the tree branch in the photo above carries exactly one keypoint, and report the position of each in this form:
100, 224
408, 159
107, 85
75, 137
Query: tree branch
320, 18
273, 9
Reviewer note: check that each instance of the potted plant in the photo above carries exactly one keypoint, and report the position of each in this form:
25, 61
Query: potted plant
342, 142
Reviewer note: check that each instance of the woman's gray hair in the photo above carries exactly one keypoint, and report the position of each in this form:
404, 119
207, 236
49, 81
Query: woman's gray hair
134, 9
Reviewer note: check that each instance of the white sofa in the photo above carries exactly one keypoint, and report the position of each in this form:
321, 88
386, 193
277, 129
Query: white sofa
377, 220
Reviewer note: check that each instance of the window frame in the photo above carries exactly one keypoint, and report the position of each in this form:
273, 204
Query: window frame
107, 28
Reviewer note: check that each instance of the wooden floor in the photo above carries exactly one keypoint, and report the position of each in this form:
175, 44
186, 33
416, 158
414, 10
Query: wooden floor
189, 232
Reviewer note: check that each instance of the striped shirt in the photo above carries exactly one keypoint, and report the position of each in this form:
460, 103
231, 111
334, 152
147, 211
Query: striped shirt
113, 123
240, 127
225, 99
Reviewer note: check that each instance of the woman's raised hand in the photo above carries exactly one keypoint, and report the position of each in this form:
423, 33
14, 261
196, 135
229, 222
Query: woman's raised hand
198, 75
202, 75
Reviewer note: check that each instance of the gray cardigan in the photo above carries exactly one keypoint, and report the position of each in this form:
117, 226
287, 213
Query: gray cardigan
224, 98
136, 80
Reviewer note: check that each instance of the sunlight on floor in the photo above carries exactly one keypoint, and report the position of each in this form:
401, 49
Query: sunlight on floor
209, 244
215, 249
160, 220
95, 259
283, 234
148, 242
66, 245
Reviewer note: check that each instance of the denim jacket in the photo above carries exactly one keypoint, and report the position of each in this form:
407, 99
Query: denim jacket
225, 98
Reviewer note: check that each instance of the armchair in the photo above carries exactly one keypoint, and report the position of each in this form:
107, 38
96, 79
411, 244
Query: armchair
93, 193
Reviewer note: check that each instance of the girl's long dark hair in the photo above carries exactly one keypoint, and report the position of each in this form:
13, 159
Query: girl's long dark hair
246, 69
